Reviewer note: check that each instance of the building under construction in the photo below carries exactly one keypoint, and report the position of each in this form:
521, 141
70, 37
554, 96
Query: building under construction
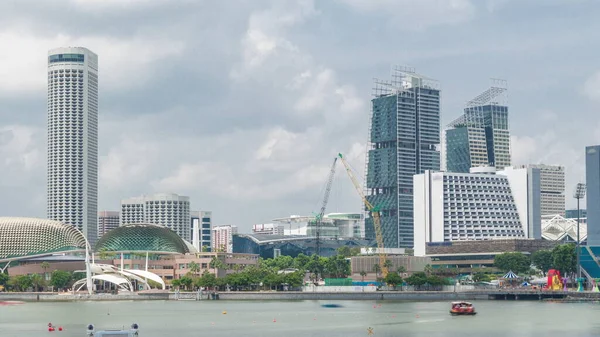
404, 139
480, 137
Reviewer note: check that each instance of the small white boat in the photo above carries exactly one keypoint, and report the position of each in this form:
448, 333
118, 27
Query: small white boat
132, 332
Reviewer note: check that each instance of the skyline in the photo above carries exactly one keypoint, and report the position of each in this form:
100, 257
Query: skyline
272, 87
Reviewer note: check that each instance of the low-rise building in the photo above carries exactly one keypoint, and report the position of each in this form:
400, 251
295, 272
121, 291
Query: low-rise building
405, 264
468, 255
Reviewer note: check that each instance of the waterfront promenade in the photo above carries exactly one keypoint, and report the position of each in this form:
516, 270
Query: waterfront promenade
501, 294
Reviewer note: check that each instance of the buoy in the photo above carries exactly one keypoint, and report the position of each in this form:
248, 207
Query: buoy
274, 320
50, 329
60, 328
224, 312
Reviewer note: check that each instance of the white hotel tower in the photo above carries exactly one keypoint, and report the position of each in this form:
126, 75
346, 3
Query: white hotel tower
73, 138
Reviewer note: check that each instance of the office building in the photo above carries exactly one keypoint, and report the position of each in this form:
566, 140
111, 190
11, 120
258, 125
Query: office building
552, 179
222, 238
72, 191
268, 229
480, 137
572, 214
481, 205
167, 209
107, 220
201, 230
592, 179
404, 140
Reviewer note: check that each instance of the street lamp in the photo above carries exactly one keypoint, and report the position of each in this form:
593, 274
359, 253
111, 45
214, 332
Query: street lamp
579, 194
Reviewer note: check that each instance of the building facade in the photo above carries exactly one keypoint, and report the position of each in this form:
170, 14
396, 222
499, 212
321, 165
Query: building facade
480, 137
592, 179
268, 229
201, 230
222, 238
482, 205
72, 191
552, 189
107, 220
168, 209
404, 140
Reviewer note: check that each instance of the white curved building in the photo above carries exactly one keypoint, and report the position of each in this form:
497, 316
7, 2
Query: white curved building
73, 138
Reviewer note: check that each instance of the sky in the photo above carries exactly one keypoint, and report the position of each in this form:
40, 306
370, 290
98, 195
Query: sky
243, 104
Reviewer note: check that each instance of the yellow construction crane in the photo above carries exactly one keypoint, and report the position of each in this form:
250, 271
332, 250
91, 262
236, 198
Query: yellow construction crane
374, 214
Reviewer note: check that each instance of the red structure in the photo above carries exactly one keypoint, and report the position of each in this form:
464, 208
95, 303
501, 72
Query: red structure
551, 274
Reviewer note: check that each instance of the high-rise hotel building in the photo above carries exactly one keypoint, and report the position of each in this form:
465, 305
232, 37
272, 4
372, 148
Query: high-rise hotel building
166, 209
72, 193
404, 141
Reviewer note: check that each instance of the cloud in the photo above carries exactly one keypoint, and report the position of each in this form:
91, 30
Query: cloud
417, 15
24, 65
591, 87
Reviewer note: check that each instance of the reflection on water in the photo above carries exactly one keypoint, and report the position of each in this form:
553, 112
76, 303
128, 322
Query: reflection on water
303, 318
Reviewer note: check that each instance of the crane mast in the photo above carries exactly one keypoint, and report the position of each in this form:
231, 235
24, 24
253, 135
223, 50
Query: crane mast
319, 217
374, 213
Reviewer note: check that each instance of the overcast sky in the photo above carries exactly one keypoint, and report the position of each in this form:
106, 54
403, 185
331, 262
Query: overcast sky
242, 105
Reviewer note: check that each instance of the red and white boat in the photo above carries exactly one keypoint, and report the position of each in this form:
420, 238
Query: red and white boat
462, 308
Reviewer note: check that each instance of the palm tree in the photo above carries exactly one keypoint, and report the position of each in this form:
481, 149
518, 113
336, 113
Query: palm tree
37, 281
428, 270
194, 268
45, 265
387, 264
377, 268
362, 275
401, 270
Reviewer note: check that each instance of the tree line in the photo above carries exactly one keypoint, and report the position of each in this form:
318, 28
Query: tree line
59, 280
562, 257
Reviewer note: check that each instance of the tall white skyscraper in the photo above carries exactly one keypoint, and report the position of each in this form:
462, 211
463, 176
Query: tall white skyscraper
73, 138
166, 209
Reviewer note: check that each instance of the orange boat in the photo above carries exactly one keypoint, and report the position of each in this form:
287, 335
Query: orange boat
462, 308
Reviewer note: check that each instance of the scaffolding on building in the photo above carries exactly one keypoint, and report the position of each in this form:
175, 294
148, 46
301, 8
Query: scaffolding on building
495, 95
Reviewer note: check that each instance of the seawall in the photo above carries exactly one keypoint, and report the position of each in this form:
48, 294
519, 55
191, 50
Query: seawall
326, 296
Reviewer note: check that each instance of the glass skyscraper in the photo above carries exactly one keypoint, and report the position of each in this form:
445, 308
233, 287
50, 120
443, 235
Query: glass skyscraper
592, 180
404, 141
480, 137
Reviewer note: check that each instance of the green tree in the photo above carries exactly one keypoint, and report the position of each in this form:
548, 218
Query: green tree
393, 279
37, 282
207, 280
515, 261
20, 282
401, 270
176, 283
542, 260
4, 279
60, 279
417, 279
362, 275
428, 269
45, 265
377, 269
205, 249
564, 258
387, 264
481, 277
344, 251
216, 264
194, 268
186, 282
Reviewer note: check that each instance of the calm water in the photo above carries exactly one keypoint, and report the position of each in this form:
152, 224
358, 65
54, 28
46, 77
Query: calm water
304, 318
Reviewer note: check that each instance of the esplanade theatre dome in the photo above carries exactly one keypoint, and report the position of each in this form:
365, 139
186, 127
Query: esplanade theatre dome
30, 237
143, 238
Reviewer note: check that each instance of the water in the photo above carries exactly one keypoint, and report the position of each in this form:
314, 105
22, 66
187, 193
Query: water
304, 318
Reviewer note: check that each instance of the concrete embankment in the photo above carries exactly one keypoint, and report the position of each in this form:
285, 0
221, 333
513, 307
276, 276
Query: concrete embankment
54, 297
295, 296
